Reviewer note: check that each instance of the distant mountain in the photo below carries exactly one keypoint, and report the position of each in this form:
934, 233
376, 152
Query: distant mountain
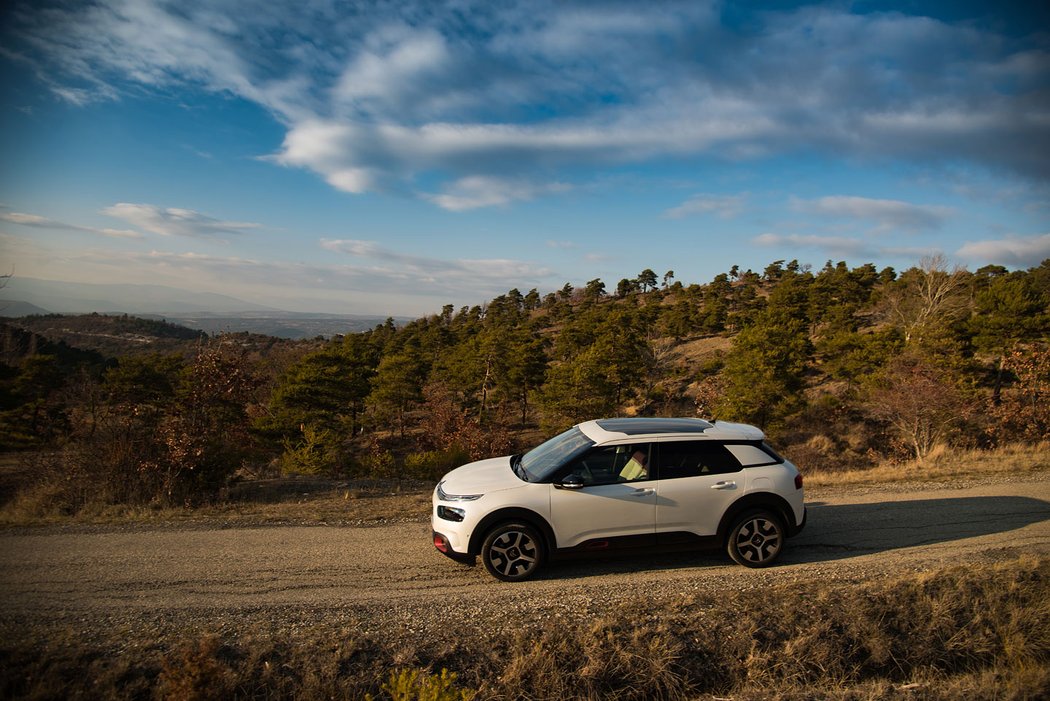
291, 325
15, 308
212, 313
84, 298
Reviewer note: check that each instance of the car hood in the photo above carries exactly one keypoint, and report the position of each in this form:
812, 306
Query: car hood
481, 477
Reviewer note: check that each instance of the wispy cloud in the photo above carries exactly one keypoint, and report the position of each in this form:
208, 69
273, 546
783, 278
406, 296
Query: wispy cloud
443, 273
38, 222
724, 206
832, 245
479, 191
843, 246
562, 245
886, 215
401, 284
34, 220
1014, 251
526, 93
173, 221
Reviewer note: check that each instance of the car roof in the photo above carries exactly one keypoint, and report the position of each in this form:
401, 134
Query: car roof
621, 429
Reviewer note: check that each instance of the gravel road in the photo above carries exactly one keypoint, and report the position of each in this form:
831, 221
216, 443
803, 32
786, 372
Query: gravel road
389, 580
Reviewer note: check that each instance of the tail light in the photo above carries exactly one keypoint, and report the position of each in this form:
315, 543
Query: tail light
798, 481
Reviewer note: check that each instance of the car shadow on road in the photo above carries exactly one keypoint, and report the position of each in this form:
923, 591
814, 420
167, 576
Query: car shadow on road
837, 532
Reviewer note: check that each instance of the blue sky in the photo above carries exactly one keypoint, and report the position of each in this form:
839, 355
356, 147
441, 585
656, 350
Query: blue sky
392, 157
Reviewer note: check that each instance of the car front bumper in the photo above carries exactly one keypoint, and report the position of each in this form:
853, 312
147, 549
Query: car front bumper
442, 545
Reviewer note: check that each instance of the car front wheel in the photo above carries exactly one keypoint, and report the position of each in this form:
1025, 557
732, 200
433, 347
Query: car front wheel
512, 552
756, 539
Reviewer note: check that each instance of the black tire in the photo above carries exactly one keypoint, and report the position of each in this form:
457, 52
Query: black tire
756, 539
512, 551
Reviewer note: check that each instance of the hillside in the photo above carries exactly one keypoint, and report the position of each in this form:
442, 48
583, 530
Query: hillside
112, 336
843, 368
17, 344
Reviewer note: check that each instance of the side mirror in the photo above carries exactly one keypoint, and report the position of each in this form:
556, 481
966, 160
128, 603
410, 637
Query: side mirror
572, 481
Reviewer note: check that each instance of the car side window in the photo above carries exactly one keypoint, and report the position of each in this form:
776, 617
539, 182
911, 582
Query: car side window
612, 464
695, 458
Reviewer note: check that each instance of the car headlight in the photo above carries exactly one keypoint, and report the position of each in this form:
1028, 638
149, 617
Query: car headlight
451, 513
445, 496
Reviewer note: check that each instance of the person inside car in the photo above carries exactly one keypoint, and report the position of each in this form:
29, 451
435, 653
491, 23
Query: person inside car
635, 468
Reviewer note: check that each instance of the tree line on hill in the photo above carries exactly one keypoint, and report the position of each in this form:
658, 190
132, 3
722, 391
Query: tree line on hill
845, 367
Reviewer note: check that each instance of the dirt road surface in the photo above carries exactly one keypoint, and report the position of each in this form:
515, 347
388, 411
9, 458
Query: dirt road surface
389, 580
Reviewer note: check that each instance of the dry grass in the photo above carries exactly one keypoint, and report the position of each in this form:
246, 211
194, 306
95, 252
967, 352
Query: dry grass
335, 502
979, 632
698, 351
944, 464
275, 502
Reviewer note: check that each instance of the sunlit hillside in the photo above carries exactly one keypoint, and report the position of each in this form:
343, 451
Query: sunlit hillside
844, 369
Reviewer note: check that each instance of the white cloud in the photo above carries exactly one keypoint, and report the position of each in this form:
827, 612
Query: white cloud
479, 191
724, 206
30, 220
375, 98
120, 233
395, 282
394, 67
39, 222
173, 221
843, 246
439, 271
832, 245
1014, 251
371, 278
353, 247
887, 215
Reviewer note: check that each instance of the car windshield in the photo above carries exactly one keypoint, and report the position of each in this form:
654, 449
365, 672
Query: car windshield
547, 457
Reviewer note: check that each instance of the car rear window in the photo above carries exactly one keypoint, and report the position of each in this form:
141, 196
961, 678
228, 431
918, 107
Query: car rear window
694, 458
754, 454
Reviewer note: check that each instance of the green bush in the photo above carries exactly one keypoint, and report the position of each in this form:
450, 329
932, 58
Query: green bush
316, 453
432, 464
418, 685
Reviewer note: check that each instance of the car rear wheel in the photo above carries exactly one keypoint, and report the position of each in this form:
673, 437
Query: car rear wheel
512, 552
756, 539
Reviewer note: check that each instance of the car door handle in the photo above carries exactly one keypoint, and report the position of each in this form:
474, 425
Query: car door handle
723, 485
643, 492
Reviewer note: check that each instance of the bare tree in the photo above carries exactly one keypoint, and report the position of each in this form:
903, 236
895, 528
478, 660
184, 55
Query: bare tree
917, 401
934, 294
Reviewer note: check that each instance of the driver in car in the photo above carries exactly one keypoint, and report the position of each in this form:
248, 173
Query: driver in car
635, 467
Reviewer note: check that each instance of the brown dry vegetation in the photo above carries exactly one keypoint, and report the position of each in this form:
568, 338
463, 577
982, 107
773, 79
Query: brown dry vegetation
979, 632
272, 502
362, 502
944, 465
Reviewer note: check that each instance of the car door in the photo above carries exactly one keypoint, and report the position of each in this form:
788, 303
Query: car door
698, 481
617, 497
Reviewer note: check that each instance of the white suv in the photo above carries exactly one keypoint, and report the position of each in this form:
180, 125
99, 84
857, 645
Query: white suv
628, 482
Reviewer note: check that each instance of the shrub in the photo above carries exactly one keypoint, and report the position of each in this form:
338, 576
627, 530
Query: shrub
195, 672
432, 464
316, 453
418, 685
